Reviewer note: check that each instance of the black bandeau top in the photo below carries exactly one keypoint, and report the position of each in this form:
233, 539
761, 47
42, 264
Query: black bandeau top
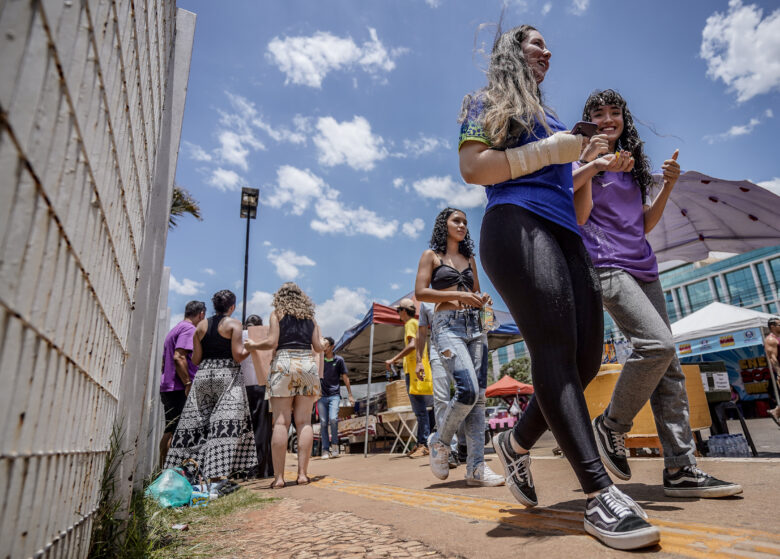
445, 276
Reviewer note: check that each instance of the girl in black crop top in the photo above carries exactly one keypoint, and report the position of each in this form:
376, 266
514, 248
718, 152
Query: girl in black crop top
447, 272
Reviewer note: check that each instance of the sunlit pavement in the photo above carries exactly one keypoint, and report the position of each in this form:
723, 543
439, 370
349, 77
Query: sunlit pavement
454, 519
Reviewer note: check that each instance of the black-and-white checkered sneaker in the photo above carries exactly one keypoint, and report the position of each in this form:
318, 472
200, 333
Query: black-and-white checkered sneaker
612, 448
517, 470
690, 481
613, 523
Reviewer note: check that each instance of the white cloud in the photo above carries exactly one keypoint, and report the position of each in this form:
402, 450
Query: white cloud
738, 130
259, 303
349, 142
175, 319
424, 145
433, 3
344, 309
412, 228
546, 8
185, 287
409, 271
307, 60
398, 182
395, 286
335, 217
450, 192
579, 7
209, 271
773, 185
742, 48
234, 148
288, 263
266, 243
196, 152
224, 179
297, 187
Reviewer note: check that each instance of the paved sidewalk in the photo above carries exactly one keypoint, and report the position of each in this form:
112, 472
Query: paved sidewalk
399, 498
284, 531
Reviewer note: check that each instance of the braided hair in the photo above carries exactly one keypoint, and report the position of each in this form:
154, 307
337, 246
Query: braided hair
439, 237
629, 139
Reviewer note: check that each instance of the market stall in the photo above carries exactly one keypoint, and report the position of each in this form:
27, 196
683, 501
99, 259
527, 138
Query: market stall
734, 336
379, 336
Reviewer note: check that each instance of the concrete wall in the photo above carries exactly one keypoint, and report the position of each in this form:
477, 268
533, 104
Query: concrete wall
89, 132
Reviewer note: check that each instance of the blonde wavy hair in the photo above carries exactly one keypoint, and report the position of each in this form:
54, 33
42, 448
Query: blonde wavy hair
513, 100
290, 299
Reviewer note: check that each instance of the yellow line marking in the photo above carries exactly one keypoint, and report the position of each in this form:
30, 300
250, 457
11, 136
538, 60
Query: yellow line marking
699, 541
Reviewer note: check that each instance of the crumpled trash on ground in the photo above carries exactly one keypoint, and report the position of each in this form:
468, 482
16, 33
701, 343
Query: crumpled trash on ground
170, 489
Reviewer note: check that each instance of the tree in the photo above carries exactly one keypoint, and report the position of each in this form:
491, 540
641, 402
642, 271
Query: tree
182, 203
519, 369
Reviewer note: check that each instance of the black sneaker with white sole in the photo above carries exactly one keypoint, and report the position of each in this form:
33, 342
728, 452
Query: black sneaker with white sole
516, 470
690, 481
612, 448
616, 525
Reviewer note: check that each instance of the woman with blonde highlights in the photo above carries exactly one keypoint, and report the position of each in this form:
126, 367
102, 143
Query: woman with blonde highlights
293, 383
531, 250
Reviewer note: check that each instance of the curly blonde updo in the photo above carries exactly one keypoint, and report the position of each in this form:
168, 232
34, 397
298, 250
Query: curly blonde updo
290, 299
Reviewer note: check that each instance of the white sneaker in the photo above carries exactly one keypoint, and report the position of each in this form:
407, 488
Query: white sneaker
325, 455
334, 453
439, 456
483, 476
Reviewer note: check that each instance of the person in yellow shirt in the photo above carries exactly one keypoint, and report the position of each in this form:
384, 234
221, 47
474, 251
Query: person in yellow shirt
419, 385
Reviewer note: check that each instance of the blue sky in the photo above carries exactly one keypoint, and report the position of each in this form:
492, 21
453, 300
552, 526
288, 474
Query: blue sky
344, 114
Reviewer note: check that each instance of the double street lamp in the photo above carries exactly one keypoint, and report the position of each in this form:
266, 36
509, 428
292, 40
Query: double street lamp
249, 197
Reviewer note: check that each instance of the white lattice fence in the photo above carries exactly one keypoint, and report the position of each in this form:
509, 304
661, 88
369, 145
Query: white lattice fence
84, 116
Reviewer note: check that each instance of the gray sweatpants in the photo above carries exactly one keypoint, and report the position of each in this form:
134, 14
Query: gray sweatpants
652, 371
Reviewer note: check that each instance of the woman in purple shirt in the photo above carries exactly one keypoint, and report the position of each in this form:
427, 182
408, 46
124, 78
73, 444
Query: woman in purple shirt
615, 212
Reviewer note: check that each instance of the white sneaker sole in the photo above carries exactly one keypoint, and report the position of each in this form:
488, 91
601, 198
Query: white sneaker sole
614, 470
704, 492
513, 489
644, 537
484, 483
444, 472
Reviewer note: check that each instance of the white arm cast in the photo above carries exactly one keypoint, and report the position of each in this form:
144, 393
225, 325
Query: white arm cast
559, 148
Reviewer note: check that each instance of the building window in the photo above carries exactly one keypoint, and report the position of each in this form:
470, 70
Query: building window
774, 264
699, 294
683, 309
670, 308
719, 295
772, 308
742, 289
766, 286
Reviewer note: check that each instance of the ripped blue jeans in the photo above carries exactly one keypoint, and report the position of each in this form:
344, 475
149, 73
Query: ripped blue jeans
462, 347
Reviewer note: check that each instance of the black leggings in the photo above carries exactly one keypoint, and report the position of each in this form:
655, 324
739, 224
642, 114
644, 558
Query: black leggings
544, 274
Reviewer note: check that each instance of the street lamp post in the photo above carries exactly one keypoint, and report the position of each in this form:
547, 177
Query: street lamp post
249, 198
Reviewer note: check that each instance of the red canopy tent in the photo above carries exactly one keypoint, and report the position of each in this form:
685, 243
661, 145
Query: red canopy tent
507, 386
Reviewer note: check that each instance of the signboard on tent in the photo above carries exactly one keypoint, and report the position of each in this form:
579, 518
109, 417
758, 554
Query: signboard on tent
731, 340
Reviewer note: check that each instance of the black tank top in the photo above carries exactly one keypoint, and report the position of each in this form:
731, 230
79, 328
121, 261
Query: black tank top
445, 276
214, 345
295, 333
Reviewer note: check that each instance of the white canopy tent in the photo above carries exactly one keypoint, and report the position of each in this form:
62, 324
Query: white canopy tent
719, 327
716, 319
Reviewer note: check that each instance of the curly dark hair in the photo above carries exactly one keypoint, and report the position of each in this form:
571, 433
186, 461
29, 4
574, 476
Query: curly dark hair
629, 140
439, 237
223, 300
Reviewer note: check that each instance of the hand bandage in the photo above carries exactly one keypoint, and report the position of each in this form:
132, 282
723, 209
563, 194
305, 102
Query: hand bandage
559, 148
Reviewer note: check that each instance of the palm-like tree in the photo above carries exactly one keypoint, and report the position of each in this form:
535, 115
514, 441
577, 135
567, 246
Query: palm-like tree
183, 203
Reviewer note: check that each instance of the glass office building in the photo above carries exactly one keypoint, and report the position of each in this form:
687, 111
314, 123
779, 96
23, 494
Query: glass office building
749, 280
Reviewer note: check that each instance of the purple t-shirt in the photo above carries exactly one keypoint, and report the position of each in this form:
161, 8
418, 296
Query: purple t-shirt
180, 337
615, 231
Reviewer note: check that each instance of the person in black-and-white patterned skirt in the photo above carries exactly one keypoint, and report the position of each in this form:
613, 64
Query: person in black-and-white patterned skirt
215, 428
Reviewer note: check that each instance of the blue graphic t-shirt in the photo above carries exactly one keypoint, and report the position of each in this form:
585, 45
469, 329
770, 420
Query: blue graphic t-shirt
549, 192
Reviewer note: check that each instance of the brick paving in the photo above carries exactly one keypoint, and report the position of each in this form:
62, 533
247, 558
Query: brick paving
283, 531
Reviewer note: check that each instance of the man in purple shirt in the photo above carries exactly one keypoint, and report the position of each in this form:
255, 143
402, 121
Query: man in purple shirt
178, 370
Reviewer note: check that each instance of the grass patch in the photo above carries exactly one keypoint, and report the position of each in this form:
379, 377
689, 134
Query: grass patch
203, 522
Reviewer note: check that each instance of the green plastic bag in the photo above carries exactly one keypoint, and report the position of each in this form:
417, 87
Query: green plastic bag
170, 489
